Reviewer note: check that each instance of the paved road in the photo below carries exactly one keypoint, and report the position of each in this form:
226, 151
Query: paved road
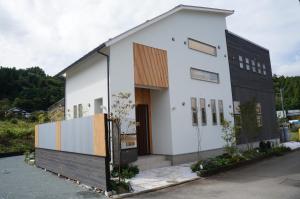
276, 178
21, 181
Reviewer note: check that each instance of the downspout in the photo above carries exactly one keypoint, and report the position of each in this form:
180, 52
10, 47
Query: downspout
108, 103
108, 92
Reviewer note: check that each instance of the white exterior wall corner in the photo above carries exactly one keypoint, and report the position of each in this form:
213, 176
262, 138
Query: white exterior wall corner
85, 83
177, 135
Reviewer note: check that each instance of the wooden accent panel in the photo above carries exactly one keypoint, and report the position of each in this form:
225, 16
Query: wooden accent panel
143, 96
36, 135
99, 135
58, 135
87, 169
150, 66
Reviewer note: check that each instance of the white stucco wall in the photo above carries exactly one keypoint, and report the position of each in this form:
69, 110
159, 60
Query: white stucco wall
176, 127
85, 83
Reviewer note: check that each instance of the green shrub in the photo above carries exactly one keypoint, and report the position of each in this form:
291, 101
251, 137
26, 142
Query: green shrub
127, 171
212, 165
196, 166
16, 136
120, 187
278, 151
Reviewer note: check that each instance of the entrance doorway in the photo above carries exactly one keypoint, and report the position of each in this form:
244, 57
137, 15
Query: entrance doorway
142, 130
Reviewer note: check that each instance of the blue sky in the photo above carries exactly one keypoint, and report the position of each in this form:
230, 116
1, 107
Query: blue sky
53, 34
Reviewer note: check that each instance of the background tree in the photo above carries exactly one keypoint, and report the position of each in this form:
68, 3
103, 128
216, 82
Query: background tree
291, 92
30, 89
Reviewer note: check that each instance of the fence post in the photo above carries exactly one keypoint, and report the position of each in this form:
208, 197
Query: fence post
58, 135
36, 135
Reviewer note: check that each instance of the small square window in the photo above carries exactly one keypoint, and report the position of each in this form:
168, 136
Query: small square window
247, 61
259, 70
253, 62
248, 66
240, 58
241, 65
254, 69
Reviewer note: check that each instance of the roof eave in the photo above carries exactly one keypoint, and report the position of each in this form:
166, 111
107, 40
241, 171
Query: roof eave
81, 59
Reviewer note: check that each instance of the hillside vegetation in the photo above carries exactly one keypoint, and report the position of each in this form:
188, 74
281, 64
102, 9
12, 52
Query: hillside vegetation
30, 89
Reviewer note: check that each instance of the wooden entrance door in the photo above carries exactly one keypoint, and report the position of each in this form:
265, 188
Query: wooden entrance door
142, 117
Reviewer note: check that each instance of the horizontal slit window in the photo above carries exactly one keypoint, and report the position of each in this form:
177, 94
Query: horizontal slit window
202, 47
204, 75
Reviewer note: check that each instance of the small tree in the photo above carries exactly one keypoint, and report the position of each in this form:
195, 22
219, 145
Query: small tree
121, 108
229, 136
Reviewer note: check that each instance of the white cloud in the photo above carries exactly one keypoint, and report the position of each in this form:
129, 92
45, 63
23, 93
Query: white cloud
53, 34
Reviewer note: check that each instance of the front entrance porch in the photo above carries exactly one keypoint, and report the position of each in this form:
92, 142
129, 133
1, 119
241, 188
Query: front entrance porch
147, 159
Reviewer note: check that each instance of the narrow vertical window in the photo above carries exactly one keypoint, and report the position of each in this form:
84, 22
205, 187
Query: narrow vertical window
221, 111
258, 115
264, 69
213, 111
258, 68
241, 61
247, 64
75, 111
194, 111
79, 110
254, 67
203, 111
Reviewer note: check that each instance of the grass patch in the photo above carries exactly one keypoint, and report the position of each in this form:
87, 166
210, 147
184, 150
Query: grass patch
16, 136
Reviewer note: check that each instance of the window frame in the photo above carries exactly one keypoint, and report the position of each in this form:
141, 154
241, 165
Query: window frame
264, 69
241, 62
204, 71
201, 43
214, 112
202, 106
75, 111
221, 111
194, 111
80, 110
100, 108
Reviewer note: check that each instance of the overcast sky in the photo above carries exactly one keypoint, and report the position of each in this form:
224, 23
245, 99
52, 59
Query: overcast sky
53, 34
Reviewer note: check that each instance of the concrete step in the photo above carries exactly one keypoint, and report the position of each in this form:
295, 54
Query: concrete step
151, 162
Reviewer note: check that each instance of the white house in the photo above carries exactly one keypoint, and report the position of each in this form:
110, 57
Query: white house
176, 68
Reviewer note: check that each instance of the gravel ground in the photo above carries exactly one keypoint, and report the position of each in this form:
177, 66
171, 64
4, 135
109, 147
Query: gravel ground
21, 181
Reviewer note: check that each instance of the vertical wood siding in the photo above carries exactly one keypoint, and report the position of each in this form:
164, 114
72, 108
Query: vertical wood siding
36, 136
150, 66
58, 135
99, 135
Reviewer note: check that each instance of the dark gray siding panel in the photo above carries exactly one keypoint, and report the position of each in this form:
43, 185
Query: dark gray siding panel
247, 85
87, 169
